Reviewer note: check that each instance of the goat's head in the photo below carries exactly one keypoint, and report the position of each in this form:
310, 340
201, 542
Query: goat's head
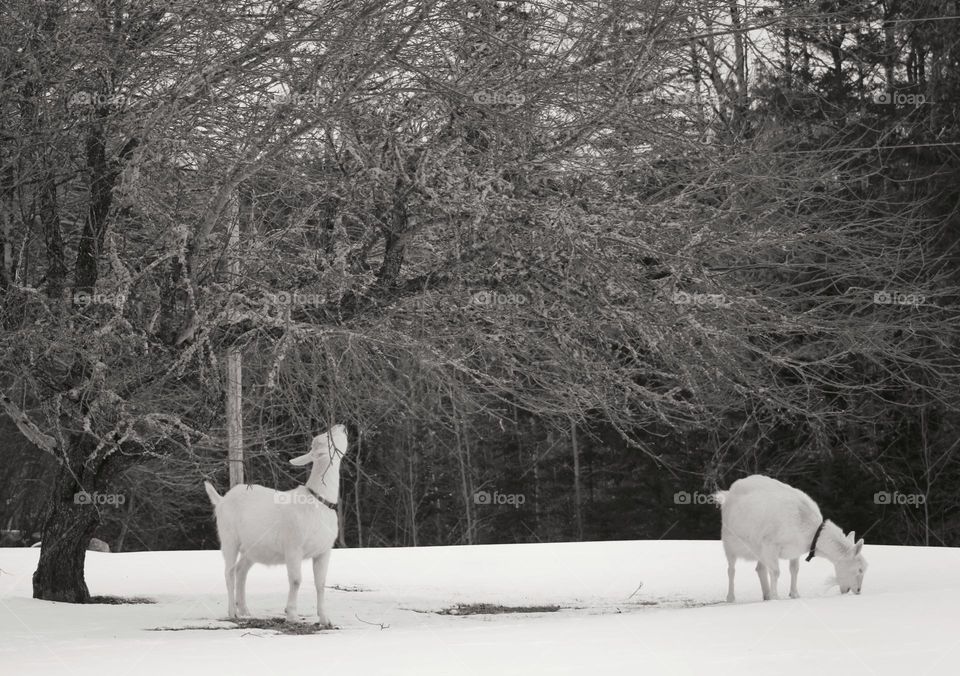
327, 447
851, 567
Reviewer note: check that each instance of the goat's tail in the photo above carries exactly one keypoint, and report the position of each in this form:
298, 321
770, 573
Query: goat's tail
215, 497
719, 498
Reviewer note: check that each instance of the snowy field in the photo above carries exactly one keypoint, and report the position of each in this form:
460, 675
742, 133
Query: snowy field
385, 603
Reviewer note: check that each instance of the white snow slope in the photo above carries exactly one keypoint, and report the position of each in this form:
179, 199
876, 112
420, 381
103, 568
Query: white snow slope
906, 622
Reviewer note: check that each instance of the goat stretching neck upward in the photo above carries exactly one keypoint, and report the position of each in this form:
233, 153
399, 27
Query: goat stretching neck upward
261, 525
765, 520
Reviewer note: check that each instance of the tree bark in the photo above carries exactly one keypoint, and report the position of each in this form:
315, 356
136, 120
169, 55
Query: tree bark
66, 532
103, 178
7, 218
53, 237
356, 490
67, 529
463, 459
412, 498
70, 522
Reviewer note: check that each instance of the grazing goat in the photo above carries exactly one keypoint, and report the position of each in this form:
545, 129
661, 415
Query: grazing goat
262, 525
765, 520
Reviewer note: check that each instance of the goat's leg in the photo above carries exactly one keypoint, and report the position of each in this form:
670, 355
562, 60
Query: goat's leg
294, 560
242, 568
764, 585
229, 552
794, 570
320, 564
731, 572
773, 570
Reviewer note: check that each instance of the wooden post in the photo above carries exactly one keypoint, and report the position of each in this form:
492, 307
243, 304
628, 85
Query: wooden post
235, 416
234, 378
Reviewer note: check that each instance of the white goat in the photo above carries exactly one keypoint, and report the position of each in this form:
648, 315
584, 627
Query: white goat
262, 525
765, 520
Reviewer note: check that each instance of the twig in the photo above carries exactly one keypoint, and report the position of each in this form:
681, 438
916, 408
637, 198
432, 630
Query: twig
378, 624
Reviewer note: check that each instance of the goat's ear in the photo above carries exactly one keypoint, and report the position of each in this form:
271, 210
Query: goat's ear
852, 536
858, 547
304, 459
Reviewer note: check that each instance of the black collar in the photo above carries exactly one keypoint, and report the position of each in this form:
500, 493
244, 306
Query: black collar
324, 501
813, 545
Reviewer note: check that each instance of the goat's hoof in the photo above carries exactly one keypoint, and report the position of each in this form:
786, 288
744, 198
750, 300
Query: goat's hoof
730, 599
324, 625
292, 618
794, 595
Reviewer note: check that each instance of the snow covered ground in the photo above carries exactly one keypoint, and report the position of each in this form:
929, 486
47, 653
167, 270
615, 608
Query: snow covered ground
907, 621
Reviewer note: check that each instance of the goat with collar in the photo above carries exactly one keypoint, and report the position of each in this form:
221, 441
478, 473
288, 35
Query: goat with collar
262, 525
765, 520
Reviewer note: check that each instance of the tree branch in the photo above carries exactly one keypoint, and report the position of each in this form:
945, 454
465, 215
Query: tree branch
28, 428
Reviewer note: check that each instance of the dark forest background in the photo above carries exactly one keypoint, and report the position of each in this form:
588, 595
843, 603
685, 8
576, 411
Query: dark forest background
591, 261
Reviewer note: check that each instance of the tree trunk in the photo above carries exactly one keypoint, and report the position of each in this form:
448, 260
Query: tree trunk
71, 522
412, 498
356, 489
103, 178
389, 271
53, 237
536, 490
890, 45
7, 218
577, 508
395, 242
66, 532
463, 458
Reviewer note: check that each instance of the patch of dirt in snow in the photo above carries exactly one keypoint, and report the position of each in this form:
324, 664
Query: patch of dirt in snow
120, 600
276, 625
642, 606
493, 609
